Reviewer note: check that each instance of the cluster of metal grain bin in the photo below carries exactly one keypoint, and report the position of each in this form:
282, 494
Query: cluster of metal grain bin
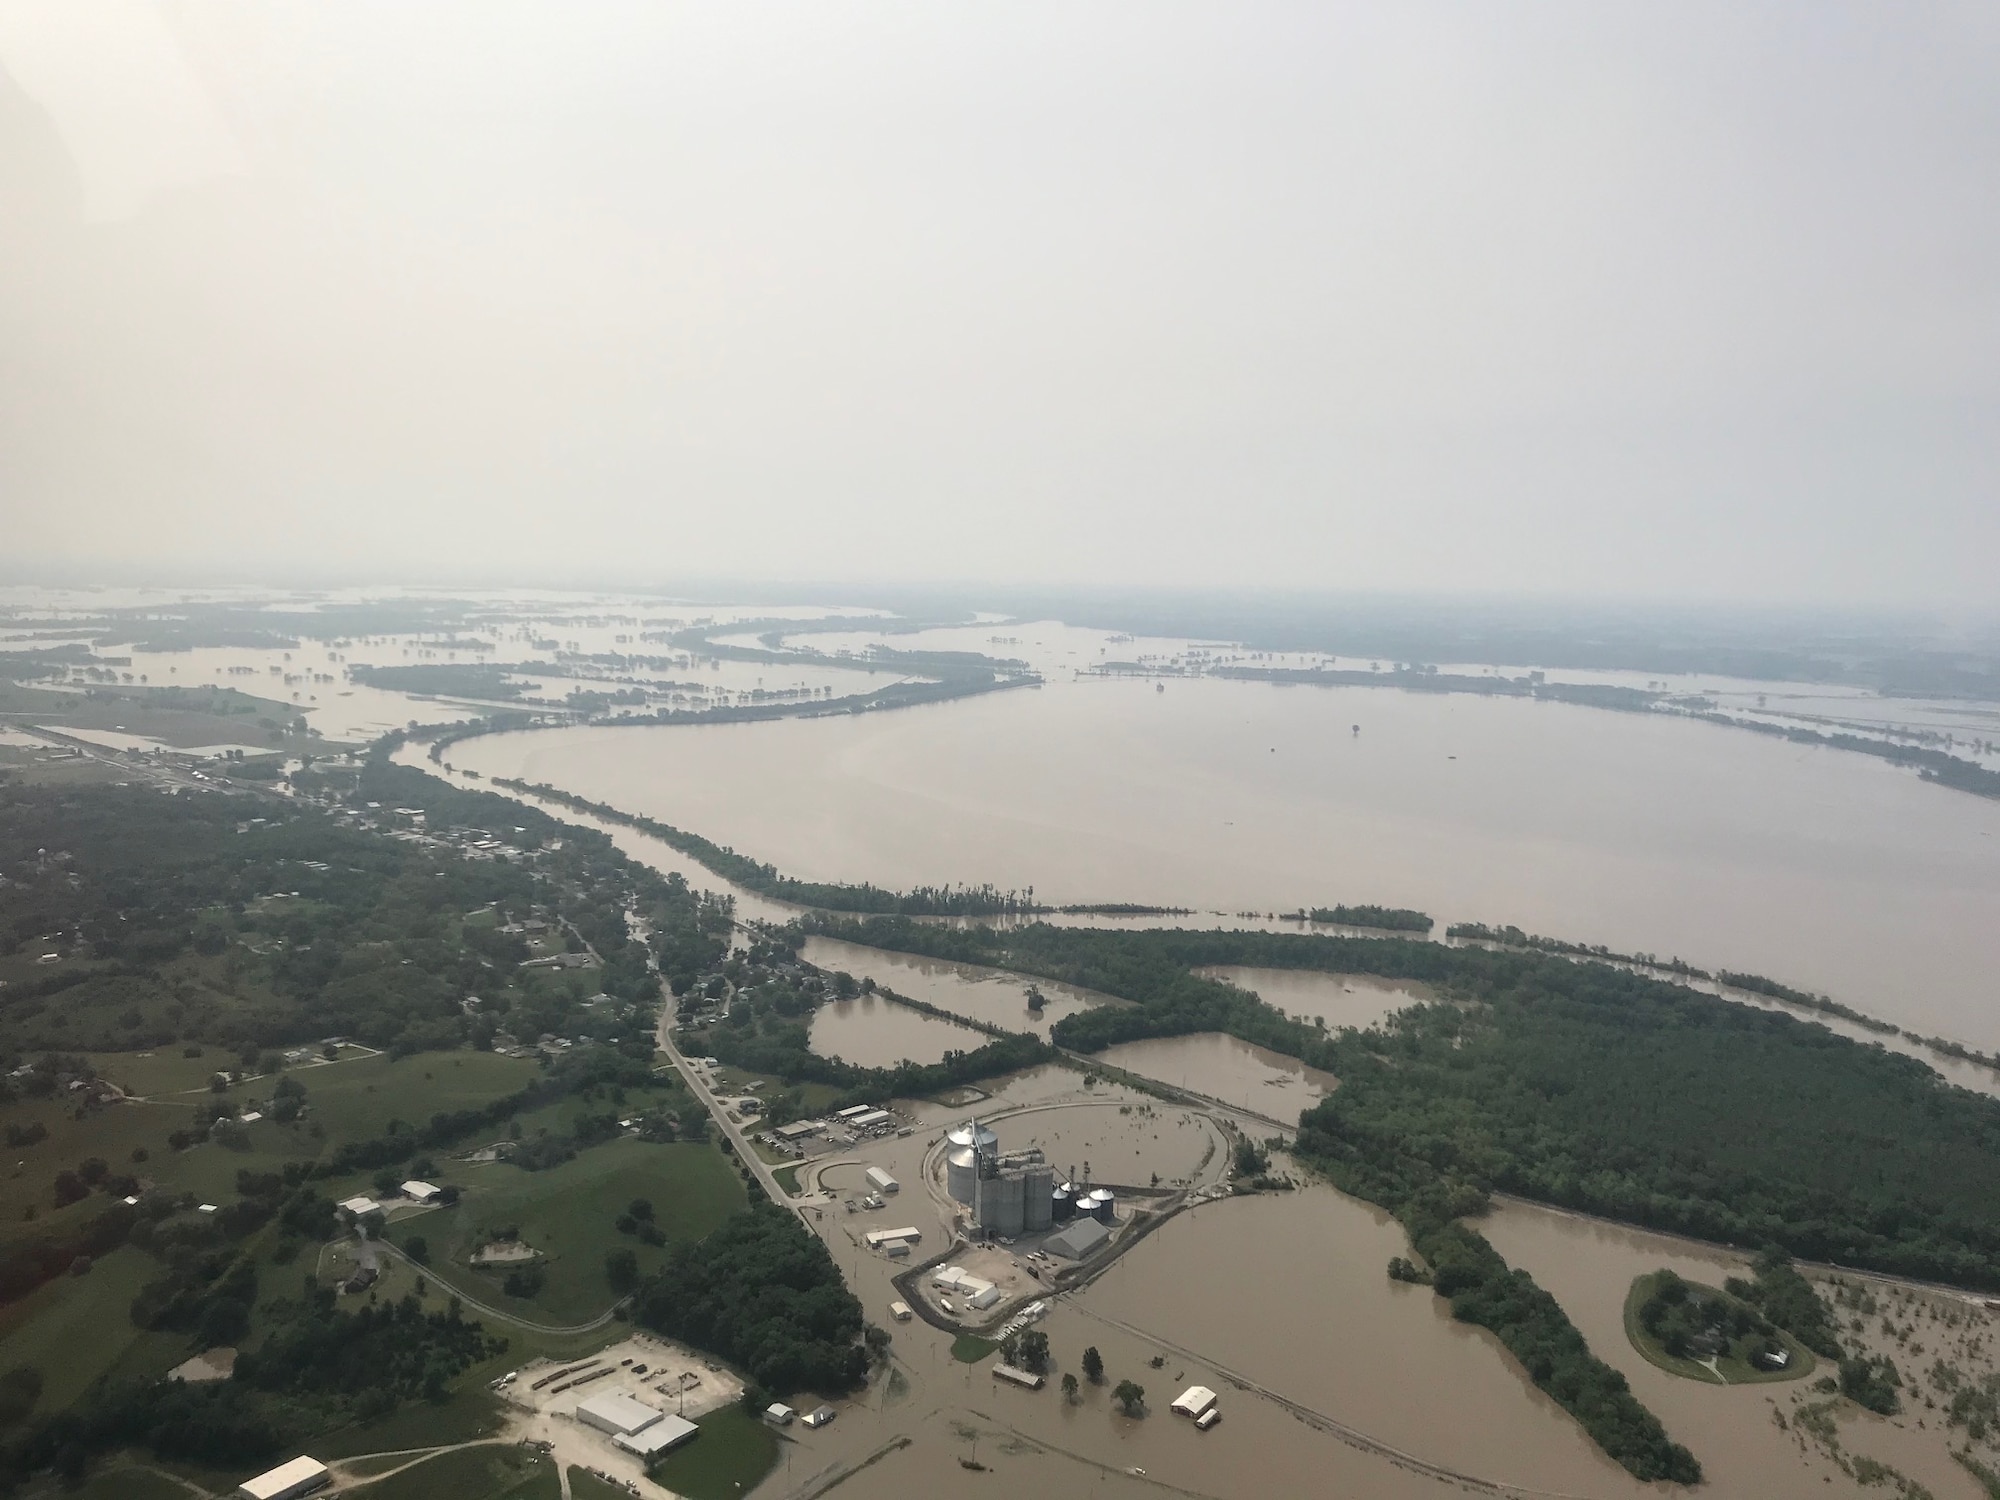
1013, 1195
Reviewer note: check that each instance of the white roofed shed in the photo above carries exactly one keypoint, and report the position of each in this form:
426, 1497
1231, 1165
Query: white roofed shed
301, 1476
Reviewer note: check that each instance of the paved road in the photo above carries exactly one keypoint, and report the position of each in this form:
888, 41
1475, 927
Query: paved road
731, 1131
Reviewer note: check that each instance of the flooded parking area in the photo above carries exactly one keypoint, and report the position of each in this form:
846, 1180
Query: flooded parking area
1223, 1067
871, 1032
1358, 1000
994, 996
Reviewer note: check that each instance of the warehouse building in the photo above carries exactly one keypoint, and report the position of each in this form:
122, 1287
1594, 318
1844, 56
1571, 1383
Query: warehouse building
657, 1438
302, 1476
616, 1413
882, 1182
1082, 1238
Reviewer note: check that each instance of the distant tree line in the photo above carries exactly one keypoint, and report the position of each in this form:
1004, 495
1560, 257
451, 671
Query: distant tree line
1385, 918
764, 879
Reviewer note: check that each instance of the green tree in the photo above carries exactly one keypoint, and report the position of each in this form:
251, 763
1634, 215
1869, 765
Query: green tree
1031, 1352
418, 1249
1069, 1387
1093, 1365
1130, 1396
621, 1269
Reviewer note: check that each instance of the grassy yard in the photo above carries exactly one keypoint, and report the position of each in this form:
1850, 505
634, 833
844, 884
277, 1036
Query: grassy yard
970, 1348
492, 1471
568, 1214
1732, 1367
734, 1451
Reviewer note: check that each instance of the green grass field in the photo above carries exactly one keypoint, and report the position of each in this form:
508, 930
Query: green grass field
584, 1485
568, 1214
970, 1348
1732, 1368
470, 1413
354, 1098
735, 1451
128, 1482
489, 1472
77, 1328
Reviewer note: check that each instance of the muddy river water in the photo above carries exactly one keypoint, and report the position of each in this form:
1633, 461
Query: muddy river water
1647, 833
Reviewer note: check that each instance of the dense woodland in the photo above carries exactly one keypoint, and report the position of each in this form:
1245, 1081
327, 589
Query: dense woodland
766, 1295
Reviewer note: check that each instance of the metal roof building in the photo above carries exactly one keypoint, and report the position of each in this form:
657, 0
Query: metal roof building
659, 1437
617, 1413
299, 1477
1195, 1401
1079, 1240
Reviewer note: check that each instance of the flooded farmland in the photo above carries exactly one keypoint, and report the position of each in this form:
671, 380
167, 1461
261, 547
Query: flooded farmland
1358, 1000
871, 1032
1589, 1265
1226, 1068
994, 996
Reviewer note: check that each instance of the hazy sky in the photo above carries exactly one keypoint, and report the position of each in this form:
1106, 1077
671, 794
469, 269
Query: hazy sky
1552, 298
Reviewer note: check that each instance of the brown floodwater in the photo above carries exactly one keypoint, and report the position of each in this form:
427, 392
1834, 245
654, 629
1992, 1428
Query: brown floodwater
1589, 1265
995, 996
1648, 833
1358, 1000
1286, 1292
871, 1032
1226, 1068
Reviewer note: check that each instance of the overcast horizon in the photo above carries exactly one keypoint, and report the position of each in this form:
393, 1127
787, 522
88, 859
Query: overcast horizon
1571, 303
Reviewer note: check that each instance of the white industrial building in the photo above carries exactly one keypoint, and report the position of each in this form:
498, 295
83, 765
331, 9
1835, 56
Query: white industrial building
1196, 1401
909, 1234
301, 1476
978, 1293
882, 1182
360, 1206
617, 1413
422, 1192
656, 1438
